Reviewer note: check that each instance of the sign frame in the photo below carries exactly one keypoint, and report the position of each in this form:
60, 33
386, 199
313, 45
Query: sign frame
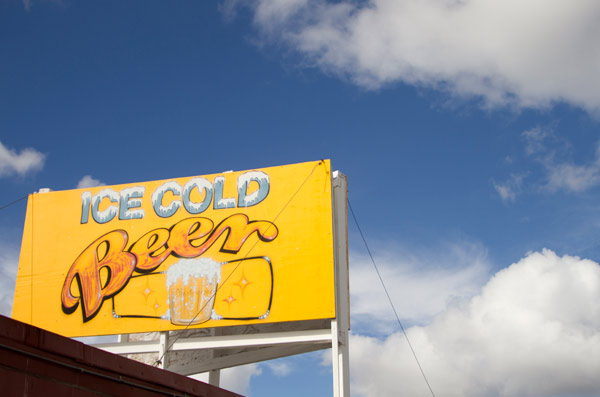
278, 241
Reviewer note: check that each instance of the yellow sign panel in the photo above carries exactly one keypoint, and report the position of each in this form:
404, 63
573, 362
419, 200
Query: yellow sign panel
206, 251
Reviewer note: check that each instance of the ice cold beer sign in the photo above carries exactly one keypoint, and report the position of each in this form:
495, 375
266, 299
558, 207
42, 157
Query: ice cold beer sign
206, 251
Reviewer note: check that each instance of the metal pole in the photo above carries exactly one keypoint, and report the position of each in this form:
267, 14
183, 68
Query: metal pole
162, 352
341, 324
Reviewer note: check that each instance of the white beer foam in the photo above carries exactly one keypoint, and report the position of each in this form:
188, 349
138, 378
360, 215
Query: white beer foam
196, 268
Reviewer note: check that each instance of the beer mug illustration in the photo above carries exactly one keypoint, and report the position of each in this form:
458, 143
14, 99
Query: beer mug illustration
193, 291
192, 286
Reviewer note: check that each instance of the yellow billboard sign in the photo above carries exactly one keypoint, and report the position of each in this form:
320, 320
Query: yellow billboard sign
204, 251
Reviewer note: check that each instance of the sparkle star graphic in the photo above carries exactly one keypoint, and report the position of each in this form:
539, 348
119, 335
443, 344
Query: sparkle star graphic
156, 306
147, 291
242, 283
229, 300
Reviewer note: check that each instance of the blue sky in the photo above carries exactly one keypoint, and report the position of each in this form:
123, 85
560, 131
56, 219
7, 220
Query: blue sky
468, 131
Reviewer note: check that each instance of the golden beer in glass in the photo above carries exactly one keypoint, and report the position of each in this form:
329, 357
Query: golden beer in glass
192, 285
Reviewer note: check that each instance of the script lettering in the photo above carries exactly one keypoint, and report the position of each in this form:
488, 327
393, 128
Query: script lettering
86, 270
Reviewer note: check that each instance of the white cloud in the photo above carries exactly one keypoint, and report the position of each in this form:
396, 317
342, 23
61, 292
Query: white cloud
535, 139
279, 368
533, 330
505, 191
268, 11
28, 160
88, 181
572, 177
509, 189
542, 145
508, 53
235, 379
420, 285
27, 4
560, 168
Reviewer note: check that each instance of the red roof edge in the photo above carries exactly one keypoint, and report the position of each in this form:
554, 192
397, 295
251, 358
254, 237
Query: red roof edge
34, 361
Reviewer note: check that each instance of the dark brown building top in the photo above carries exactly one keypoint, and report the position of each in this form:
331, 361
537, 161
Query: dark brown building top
35, 362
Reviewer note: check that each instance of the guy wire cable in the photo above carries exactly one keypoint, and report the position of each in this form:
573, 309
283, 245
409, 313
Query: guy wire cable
389, 298
13, 202
159, 360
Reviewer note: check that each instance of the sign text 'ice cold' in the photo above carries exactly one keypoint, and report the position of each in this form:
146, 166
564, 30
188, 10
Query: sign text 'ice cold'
107, 204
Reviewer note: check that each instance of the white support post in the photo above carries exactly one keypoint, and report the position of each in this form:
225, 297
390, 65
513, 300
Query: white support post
335, 361
341, 324
343, 363
162, 350
214, 375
